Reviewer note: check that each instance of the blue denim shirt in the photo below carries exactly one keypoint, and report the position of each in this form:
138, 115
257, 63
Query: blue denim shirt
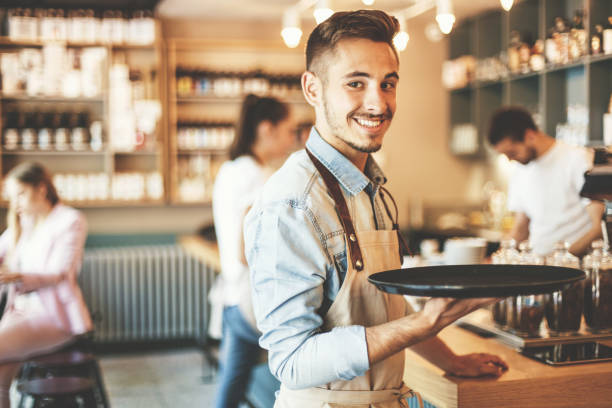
295, 248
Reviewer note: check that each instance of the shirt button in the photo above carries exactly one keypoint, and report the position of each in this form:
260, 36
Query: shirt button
359, 264
353, 238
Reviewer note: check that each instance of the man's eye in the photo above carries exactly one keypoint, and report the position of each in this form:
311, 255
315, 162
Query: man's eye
388, 85
355, 84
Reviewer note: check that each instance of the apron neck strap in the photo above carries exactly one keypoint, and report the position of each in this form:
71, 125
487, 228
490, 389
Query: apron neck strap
403, 245
340, 203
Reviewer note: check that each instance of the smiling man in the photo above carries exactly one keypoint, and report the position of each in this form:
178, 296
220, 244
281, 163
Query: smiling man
324, 223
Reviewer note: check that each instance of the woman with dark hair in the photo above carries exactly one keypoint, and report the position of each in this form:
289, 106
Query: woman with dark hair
41, 253
265, 134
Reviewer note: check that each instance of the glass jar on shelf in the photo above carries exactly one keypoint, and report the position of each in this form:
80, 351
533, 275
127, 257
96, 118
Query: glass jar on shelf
506, 254
598, 289
564, 308
525, 312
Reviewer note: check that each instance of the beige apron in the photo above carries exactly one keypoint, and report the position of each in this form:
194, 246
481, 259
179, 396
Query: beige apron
359, 303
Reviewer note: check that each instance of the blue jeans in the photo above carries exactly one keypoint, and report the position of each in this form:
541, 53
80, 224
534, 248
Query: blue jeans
239, 354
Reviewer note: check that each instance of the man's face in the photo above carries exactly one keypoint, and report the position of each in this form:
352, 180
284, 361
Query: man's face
522, 152
359, 87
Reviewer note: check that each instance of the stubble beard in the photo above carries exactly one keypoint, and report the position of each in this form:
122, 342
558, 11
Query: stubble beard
336, 130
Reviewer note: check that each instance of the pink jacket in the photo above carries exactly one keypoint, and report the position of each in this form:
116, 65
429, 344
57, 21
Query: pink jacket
50, 264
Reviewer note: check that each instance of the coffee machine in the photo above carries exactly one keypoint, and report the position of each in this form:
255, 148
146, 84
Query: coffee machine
598, 186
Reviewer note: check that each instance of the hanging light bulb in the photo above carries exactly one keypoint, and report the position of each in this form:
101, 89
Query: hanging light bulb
445, 16
367, 2
400, 41
322, 11
507, 4
291, 31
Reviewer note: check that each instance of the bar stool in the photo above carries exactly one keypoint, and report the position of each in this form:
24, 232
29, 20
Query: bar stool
66, 364
60, 392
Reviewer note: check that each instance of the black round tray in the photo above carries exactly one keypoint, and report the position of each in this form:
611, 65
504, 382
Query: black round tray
470, 281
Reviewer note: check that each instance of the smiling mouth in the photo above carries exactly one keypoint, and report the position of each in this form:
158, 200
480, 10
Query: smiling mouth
369, 123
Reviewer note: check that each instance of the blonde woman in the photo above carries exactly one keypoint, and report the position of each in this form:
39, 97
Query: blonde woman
41, 253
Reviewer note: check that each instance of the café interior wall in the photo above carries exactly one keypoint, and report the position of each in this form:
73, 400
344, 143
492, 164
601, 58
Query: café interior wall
415, 156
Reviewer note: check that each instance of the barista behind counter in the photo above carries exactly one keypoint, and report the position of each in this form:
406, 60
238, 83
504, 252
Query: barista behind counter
544, 189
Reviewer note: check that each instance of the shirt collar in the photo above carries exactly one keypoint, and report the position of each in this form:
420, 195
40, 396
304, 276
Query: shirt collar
348, 175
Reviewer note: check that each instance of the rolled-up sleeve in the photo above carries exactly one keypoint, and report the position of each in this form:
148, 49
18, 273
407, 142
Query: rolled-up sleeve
289, 264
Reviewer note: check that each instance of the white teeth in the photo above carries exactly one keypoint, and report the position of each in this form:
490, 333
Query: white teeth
369, 123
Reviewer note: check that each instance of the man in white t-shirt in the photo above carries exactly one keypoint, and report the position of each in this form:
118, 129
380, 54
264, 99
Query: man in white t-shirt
545, 185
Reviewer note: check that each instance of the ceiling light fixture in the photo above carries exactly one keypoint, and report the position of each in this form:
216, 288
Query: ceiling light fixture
291, 32
367, 2
400, 41
322, 11
507, 4
445, 16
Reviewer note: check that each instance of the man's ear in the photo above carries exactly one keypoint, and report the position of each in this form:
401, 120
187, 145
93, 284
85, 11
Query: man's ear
530, 136
312, 88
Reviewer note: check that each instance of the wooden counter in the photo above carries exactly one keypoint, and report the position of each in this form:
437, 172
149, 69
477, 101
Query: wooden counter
526, 384
202, 249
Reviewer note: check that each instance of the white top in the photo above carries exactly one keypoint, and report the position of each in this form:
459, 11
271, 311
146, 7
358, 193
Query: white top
237, 185
547, 191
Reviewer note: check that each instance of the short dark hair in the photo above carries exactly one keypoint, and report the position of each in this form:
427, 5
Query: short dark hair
255, 110
375, 25
510, 122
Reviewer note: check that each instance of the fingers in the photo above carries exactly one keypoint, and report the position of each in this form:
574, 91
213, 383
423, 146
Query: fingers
480, 364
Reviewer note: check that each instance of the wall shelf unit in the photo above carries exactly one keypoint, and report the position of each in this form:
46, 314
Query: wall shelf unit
552, 91
207, 81
88, 175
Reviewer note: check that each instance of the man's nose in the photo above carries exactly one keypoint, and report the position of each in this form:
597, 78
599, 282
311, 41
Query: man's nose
375, 101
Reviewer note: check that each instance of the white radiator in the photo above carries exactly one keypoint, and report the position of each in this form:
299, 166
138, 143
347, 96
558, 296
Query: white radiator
146, 293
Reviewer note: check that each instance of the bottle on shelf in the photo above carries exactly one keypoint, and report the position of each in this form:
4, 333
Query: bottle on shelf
514, 59
45, 130
562, 38
551, 48
607, 37
11, 131
95, 131
537, 62
597, 40
62, 131
28, 131
578, 37
79, 134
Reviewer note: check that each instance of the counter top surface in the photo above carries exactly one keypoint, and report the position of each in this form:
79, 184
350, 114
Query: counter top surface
526, 384
203, 249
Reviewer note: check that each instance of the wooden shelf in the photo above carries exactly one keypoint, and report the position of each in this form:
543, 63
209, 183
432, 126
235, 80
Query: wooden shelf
50, 153
106, 203
136, 153
24, 97
203, 150
229, 100
6, 41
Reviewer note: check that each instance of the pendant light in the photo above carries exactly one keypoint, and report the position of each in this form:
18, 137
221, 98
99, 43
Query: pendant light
507, 4
445, 16
291, 32
322, 11
400, 41
367, 2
